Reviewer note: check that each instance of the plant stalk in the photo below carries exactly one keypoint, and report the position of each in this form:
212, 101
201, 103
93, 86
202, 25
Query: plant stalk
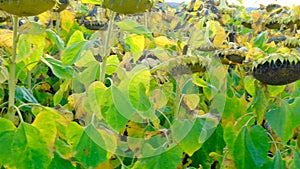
178, 96
12, 68
106, 50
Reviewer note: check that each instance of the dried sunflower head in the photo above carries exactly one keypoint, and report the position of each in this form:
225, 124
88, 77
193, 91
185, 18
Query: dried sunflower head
61, 5
272, 7
232, 56
26, 7
277, 69
291, 42
186, 65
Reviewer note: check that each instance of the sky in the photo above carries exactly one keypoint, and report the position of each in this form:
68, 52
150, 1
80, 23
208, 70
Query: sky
254, 3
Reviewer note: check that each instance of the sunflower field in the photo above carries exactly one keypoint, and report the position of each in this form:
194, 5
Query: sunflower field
145, 84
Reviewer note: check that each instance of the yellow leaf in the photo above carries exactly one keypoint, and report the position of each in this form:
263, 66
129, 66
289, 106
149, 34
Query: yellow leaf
162, 42
107, 165
219, 33
30, 49
44, 18
135, 129
255, 53
258, 18
45, 121
6, 39
137, 45
110, 140
191, 101
67, 19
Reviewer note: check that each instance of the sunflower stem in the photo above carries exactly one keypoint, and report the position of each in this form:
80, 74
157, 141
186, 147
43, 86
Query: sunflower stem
107, 47
12, 68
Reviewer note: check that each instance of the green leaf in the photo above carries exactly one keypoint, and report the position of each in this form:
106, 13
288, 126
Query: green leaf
30, 49
251, 148
277, 162
112, 64
73, 133
284, 118
76, 37
89, 149
6, 125
7, 130
249, 85
186, 133
76, 48
6, 138
115, 119
29, 149
63, 149
136, 88
276, 90
56, 39
90, 74
72, 53
295, 113
296, 160
230, 135
215, 144
60, 93
121, 102
259, 41
259, 104
95, 94
59, 162
131, 26
191, 134
234, 108
60, 71
165, 158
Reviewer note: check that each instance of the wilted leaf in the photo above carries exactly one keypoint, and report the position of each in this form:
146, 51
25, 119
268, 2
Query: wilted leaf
6, 38
32, 28
158, 98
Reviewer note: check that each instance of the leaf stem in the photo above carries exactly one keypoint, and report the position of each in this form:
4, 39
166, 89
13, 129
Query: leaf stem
12, 66
105, 53
19, 113
57, 24
178, 96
